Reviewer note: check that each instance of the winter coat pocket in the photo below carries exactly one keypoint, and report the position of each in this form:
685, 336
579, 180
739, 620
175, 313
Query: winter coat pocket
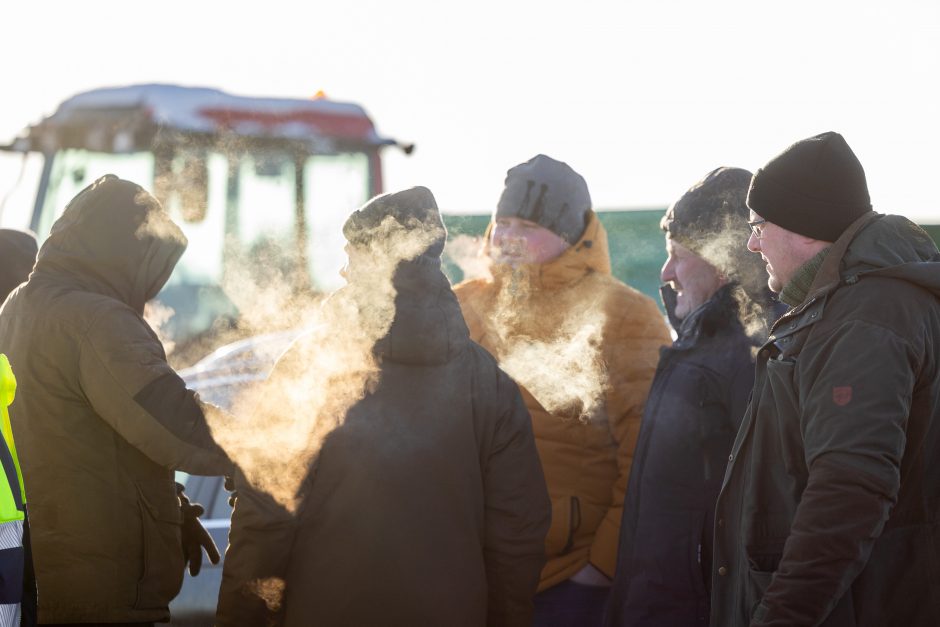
162, 552
787, 414
757, 583
566, 518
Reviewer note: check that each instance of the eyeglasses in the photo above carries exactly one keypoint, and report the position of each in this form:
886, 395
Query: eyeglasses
756, 227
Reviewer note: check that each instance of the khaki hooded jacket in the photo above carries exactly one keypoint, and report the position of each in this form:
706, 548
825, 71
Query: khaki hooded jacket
829, 513
101, 420
569, 326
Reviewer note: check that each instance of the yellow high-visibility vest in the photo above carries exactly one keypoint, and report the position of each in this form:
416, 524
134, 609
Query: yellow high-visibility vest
12, 491
12, 507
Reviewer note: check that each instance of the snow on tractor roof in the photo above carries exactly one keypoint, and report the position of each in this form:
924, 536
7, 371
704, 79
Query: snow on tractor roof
211, 111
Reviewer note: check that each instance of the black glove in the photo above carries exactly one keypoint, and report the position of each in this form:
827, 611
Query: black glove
195, 536
230, 486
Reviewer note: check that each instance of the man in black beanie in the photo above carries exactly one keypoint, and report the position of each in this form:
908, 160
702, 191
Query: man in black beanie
829, 508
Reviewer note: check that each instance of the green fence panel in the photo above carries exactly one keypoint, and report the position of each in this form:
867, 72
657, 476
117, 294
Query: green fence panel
637, 247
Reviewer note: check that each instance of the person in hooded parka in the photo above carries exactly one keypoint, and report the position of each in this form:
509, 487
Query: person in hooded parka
426, 503
101, 420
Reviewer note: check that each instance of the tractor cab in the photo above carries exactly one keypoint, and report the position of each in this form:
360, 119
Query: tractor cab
260, 186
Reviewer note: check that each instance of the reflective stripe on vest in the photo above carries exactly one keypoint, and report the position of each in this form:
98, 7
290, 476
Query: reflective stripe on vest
12, 561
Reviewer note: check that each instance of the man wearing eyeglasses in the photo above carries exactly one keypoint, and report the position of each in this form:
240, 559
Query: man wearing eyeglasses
829, 512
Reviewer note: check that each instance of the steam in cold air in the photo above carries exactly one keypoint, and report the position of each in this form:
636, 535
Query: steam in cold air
281, 423
467, 252
549, 347
157, 315
270, 590
157, 223
726, 250
565, 373
548, 341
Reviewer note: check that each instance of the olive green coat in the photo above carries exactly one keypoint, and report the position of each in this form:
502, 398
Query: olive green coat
830, 509
101, 420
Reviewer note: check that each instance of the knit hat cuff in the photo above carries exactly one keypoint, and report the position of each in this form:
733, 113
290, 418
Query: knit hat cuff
799, 213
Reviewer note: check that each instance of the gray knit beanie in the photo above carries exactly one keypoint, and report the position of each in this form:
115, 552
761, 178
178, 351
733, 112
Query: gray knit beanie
548, 193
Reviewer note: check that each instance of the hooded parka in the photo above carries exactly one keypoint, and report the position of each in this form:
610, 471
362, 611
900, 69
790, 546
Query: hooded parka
695, 405
829, 512
586, 462
101, 420
425, 506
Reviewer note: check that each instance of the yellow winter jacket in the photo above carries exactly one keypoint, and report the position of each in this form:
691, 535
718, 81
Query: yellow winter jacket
583, 347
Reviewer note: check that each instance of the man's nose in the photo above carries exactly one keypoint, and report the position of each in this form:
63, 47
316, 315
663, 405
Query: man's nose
667, 273
753, 243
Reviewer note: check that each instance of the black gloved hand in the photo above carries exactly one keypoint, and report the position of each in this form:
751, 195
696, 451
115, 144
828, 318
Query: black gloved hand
230, 486
195, 536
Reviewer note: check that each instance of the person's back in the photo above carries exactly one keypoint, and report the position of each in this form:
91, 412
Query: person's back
426, 504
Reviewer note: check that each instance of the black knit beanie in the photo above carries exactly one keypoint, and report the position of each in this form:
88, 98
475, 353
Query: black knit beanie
816, 187
711, 208
411, 209
549, 193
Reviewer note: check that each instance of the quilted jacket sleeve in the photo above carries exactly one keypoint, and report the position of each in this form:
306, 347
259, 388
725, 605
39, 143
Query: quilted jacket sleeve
253, 579
124, 374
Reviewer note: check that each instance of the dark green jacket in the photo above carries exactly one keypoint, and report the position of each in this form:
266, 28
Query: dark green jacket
426, 506
830, 509
101, 420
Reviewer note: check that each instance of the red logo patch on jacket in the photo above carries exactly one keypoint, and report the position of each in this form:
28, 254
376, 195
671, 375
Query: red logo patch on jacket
841, 395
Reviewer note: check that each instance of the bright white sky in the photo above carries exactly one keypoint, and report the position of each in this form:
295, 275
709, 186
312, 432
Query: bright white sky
642, 98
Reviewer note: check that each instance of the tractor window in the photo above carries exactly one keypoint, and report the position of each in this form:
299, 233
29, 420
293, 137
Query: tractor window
334, 186
74, 170
194, 293
20, 175
266, 214
201, 264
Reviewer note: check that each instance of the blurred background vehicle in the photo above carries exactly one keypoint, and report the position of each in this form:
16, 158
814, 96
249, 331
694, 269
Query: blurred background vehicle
260, 186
